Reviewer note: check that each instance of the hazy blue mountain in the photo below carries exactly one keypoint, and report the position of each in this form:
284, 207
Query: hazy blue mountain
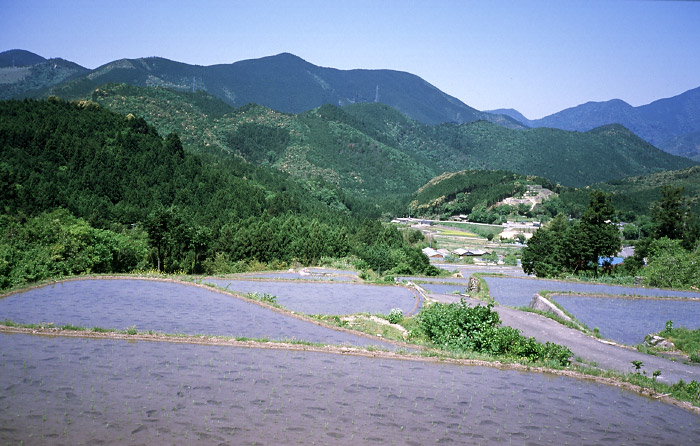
511, 113
284, 83
668, 124
24, 73
19, 58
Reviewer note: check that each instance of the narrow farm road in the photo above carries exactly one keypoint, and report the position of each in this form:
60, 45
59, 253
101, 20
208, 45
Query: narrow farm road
604, 354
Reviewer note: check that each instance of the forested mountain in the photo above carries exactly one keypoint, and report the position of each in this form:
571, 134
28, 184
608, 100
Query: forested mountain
22, 72
636, 193
477, 193
85, 189
289, 84
373, 151
671, 124
570, 158
471, 192
284, 83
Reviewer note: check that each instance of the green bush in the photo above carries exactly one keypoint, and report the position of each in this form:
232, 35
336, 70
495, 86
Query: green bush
395, 315
460, 327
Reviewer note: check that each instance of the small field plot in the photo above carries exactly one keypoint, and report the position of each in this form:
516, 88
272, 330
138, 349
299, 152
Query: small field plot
327, 298
163, 307
517, 292
319, 274
629, 320
81, 391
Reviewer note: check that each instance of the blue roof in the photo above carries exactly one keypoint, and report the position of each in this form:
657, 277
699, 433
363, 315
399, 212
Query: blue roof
611, 260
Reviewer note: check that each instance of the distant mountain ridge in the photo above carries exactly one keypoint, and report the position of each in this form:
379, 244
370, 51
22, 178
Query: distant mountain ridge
671, 124
23, 72
373, 150
283, 82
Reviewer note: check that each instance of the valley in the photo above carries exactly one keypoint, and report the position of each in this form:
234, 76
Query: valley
254, 252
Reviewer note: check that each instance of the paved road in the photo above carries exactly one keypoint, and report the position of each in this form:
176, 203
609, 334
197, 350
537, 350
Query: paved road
607, 356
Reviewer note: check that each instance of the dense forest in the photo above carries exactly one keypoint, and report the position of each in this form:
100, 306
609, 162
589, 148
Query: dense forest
87, 190
372, 151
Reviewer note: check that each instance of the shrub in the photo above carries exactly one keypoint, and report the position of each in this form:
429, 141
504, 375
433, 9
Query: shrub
460, 327
395, 315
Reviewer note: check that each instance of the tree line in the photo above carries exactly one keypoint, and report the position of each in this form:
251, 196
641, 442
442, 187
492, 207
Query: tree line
669, 256
88, 190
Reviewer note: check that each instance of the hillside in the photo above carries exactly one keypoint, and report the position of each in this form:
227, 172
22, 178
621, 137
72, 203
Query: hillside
108, 168
570, 158
637, 192
671, 124
23, 73
284, 83
315, 147
87, 190
373, 151
470, 192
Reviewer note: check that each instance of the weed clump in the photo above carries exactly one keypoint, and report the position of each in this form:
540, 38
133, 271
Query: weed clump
462, 328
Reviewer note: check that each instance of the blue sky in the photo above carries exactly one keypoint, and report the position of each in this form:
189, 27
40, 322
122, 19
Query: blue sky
538, 57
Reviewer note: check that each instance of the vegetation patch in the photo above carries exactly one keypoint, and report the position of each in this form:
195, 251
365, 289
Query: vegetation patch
460, 327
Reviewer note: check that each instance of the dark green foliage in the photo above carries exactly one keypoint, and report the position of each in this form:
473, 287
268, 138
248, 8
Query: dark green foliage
540, 258
258, 143
191, 213
670, 265
671, 216
461, 327
635, 193
574, 247
107, 168
57, 244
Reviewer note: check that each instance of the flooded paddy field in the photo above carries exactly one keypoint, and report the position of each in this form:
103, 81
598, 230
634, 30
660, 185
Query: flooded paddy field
327, 298
468, 270
517, 292
320, 274
629, 320
444, 288
68, 391
163, 307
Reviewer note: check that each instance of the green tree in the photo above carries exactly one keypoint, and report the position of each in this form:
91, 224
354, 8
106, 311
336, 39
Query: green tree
597, 234
670, 213
670, 265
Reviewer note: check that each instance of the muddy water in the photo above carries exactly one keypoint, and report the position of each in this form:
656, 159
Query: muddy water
162, 307
320, 274
68, 391
629, 320
518, 292
326, 298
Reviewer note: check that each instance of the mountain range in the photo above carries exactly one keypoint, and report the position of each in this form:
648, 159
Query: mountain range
284, 82
289, 84
372, 150
671, 124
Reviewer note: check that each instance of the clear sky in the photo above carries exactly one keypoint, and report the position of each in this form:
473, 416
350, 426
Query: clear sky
538, 57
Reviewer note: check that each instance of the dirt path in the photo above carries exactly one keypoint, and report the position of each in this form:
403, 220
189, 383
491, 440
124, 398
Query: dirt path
606, 355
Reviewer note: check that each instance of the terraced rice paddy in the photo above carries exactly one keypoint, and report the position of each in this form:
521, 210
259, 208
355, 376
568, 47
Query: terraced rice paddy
163, 307
628, 320
68, 390
517, 292
325, 274
624, 319
325, 298
80, 391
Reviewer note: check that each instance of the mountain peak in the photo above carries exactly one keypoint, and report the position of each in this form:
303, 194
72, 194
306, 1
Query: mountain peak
19, 58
